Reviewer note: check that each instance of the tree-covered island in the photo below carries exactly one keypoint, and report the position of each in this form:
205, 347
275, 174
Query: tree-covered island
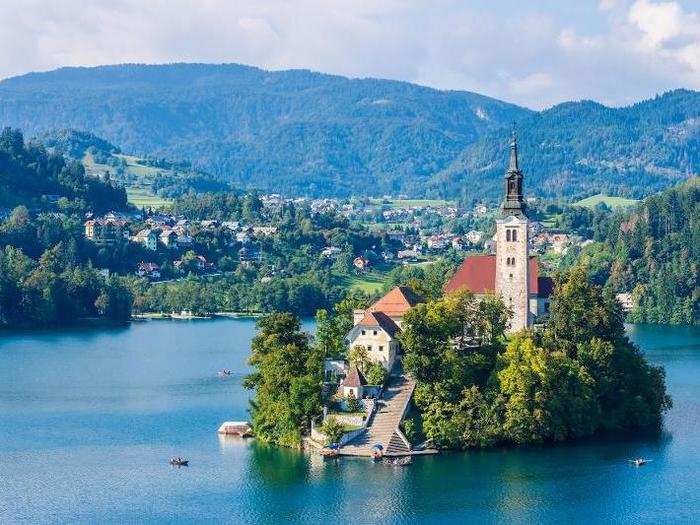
575, 376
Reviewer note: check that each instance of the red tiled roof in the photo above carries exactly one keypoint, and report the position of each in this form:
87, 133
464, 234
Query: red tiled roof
397, 301
381, 320
478, 275
354, 378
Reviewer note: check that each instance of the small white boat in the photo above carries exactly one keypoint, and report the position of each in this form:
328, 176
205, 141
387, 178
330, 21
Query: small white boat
638, 462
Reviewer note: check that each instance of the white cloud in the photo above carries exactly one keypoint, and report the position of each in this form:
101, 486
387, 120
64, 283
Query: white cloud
531, 83
614, 51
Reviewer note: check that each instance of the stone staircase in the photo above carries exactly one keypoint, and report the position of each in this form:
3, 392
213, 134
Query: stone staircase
384, 425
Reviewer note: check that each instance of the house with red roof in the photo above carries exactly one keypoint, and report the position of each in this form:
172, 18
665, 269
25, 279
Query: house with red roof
512, 273
377, 327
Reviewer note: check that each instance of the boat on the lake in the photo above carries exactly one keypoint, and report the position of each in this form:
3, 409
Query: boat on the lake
638, 462
236, 428
377, 451
224, 373
179, 462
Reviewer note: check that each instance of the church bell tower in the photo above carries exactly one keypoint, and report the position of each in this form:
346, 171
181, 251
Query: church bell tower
512, 257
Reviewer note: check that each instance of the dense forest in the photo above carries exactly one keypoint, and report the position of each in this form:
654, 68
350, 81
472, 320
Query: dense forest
46, 277
292, 132
651, 251
304, 133
585, 148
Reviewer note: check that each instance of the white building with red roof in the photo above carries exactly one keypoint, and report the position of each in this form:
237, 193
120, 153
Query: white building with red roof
512, 273
377, 327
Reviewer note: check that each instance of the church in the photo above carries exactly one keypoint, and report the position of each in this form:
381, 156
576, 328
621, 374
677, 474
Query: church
512, 273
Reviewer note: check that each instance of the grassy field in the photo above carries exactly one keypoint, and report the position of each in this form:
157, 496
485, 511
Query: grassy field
143, 199
413, 203
612, 202
370, 282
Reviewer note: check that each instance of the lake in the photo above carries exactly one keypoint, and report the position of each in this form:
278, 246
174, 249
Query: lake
89, 419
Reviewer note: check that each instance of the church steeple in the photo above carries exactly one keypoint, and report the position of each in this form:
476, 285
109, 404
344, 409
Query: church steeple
513, 203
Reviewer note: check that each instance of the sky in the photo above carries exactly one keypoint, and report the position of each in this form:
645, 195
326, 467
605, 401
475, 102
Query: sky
536, 53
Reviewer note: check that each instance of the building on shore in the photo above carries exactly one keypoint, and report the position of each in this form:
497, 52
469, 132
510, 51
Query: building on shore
512, 273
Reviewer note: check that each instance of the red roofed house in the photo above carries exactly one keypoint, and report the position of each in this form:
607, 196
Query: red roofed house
512, 273
377, 327
353, 383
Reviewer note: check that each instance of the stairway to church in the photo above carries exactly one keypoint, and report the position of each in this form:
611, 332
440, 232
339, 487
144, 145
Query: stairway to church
384, 426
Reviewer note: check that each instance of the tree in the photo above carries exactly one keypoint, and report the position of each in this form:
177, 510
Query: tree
377, 374
332, 429
352, 403
287, 380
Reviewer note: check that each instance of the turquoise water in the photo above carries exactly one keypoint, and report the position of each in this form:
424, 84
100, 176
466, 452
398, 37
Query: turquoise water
89, 418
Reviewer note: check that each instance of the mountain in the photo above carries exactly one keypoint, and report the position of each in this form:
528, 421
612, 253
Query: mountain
293, 131
300, 132
584, 148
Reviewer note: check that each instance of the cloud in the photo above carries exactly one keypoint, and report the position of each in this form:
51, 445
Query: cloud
615, 51
530, 83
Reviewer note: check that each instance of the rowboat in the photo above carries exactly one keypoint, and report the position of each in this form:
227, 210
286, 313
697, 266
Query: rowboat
179, 462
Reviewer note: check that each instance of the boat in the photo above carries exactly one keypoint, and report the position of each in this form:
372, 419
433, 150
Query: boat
236, 428
638, 462
400, 462
224, 373
377, 452
179, 462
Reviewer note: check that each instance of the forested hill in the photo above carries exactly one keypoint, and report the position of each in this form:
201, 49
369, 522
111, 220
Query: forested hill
290, 131
43, 180
583, 148
299, 132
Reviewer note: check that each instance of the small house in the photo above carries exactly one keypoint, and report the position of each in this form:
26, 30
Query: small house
353, 383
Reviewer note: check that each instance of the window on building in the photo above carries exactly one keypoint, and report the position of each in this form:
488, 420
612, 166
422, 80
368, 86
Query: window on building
514, 235
369, 348
381, 348
374, 332
546, 306
363, 332
508, 235
510, 275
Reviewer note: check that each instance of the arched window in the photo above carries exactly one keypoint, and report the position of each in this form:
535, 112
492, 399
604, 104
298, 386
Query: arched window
508, 235
515, 235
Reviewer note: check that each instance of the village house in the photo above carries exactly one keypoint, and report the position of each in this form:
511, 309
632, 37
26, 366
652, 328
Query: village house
107, 230
361, 262
148, 238
148, 269
331, 252
474, 236
168, 238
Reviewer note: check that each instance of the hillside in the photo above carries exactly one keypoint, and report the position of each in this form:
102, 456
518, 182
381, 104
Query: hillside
300, 132
584, 148
149, 182
44, 180
292, 131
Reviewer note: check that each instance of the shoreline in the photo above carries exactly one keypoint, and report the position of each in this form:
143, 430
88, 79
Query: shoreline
145, 316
